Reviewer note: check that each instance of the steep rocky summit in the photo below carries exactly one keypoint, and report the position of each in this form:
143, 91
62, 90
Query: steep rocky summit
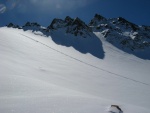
122, 33
71, 26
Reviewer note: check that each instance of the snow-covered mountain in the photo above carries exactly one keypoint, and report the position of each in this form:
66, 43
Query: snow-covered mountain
123, 34
119, 32
58, 69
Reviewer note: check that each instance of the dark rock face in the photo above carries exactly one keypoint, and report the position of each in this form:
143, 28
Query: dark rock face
13, 26
10, 25
99, 17
128, 24
28, 24
78, 27
68, 20
56, 23
97, 20
32, 26
73, 26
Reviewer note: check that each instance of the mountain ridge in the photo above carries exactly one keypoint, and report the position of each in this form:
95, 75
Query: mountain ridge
121, 33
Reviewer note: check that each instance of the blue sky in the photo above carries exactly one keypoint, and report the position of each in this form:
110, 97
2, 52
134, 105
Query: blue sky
43, 11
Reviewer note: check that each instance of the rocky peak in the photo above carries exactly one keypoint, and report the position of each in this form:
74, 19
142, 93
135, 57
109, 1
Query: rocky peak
34, 24
10, 25
78, 27
120, 19
79, 23
99, 17
13, 25
73, 26
97, 20
56, 23
127, 24
68, 20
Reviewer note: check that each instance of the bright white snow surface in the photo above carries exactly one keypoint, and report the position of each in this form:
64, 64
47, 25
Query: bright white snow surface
39, 76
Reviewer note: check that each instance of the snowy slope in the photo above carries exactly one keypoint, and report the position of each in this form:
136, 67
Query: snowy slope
39, 76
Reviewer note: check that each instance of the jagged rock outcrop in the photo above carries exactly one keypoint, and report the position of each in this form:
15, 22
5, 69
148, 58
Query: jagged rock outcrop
13, 26
28, 24
122, 33
72, 26
33, 26
56, 24
78, 27
68, 20
97, 20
